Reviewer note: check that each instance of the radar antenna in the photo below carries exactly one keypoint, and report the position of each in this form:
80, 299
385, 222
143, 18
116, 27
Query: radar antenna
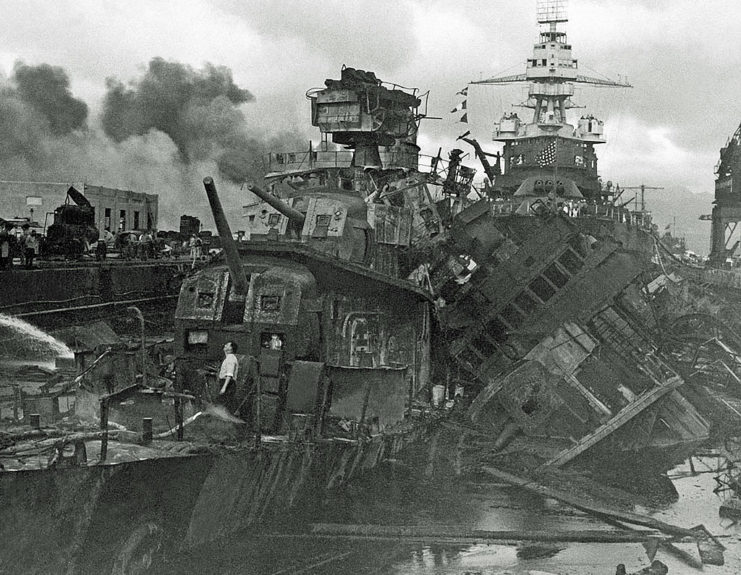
552, 12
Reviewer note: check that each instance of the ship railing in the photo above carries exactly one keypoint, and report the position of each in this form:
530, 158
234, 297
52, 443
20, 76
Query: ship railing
580, 209
305, 160
603, 211
641, 219
503, 207
551, 90
393, 86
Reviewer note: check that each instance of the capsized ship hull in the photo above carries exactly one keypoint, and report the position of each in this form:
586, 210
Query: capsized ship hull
554, 325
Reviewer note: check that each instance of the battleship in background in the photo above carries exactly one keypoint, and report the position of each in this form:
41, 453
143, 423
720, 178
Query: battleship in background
547, 154
554, 319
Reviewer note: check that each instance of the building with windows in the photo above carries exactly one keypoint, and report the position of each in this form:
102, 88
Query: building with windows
122, 209
114, 209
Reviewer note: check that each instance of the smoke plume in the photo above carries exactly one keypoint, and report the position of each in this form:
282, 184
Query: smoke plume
197, 109
36, 105
46, 89
160, 133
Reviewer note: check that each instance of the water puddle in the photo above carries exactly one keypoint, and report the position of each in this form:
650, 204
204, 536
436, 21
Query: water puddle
495, 508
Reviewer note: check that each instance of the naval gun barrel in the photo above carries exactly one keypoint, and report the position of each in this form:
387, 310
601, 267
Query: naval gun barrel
284, 209
239, 279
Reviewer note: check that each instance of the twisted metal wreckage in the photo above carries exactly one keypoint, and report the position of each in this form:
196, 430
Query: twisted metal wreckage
561, 329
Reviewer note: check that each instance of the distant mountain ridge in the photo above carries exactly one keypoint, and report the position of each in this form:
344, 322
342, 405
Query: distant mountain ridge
686, 207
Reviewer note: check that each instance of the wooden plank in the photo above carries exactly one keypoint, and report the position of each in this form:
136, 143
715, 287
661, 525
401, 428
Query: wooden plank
620, 419
709, 548
596, 404
448, 533
597, 510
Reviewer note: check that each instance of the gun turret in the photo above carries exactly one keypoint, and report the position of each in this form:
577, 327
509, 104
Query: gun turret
239, 279
284, 209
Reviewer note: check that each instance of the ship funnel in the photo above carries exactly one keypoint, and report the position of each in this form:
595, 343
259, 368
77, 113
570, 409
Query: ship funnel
239, 279
284, 209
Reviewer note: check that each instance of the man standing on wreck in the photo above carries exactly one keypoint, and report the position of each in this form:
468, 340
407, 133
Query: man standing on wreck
228, 376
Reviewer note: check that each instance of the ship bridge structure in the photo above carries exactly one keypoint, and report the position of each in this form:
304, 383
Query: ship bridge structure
546, 146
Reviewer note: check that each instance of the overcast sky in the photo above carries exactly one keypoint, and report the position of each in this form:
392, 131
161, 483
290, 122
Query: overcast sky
683, 58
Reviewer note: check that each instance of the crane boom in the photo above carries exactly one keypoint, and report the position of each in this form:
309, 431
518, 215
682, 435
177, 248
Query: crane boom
643, 188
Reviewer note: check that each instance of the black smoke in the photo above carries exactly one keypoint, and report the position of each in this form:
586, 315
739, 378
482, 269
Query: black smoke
197, 109
160, 133
46, 90
36, 107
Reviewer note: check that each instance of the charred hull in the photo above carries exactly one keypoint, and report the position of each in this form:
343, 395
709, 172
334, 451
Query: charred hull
554, 325
109, 518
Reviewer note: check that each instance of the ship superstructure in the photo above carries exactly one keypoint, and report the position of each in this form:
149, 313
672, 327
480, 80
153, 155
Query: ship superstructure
541, 289
727, 209
543, 151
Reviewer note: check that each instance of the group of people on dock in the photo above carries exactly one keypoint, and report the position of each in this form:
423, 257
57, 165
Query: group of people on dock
143, 246
24, 243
